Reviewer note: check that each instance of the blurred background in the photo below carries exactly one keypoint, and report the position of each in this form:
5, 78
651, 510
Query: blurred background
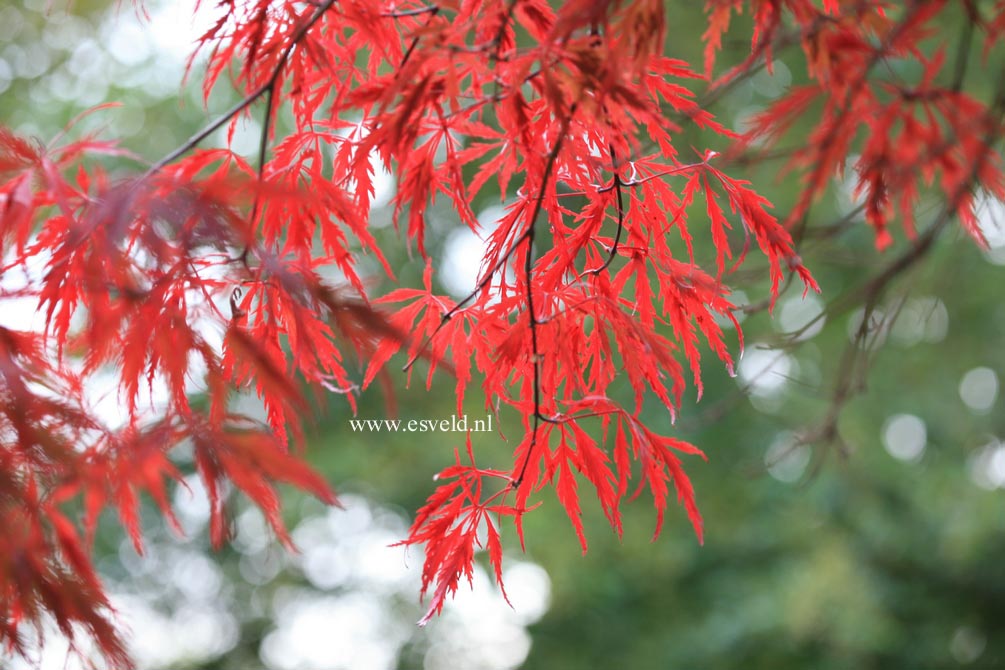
884, 548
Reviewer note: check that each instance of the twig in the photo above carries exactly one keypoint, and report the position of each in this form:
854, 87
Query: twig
430, 9
621, 214
265, 89
528, 276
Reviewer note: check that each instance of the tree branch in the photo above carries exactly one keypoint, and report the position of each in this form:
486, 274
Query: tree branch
265, 89
528, 276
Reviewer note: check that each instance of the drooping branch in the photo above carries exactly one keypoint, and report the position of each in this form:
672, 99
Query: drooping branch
547, 174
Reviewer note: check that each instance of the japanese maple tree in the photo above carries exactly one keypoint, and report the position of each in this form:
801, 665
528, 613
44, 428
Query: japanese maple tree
204, 265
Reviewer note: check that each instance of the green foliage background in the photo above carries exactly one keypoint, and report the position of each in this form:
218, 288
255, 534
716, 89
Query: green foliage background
864, 561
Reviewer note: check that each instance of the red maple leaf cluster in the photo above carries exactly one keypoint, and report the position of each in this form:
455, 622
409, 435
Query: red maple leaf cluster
207, 265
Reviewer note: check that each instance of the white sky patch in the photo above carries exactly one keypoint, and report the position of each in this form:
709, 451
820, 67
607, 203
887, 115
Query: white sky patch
921, 319
346, 632
21, 312
462, 257
6, 76
798, 313
987, 466
101, 390
104, 399
480, 631
176, 608
464, 251
905, 437
191, 503
193, 633
786, 459
127, 41
198, 628
991, 219
354, 622
384, 183
739, 299
56, 655
765, 371
174, 26
246, 139
847, 198
979, 389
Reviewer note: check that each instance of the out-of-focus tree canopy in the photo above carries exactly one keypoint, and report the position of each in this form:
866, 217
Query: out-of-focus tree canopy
877, 545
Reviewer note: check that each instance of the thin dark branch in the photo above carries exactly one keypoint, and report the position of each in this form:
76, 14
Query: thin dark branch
196, 139
821, 232
528, 267
621, 214
265, 89
459, 305
487, 277
431, 9
963, 48
263, 148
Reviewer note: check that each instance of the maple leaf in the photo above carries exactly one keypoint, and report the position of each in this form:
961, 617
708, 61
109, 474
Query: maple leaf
574, 116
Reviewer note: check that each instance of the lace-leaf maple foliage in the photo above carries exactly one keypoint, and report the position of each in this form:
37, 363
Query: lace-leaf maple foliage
206, 265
